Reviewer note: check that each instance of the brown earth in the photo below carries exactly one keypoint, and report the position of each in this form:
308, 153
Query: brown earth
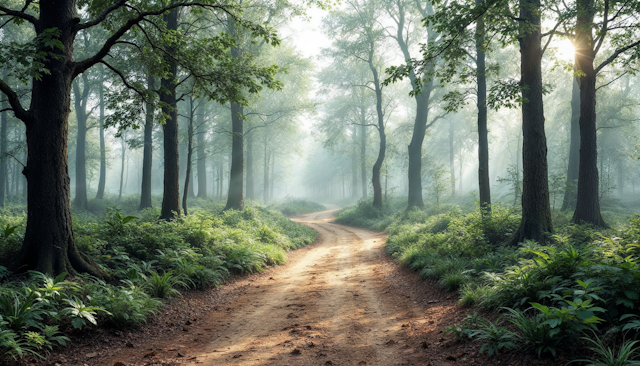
341, 301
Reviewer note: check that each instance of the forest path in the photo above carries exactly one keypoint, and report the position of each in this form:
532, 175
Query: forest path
330, 305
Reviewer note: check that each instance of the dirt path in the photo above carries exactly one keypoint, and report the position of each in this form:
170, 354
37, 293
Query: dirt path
331, 305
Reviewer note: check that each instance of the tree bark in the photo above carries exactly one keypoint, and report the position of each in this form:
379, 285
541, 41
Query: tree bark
375, 179
80, 100
171, 192
102, 180
3, 143
250, 172
587, 200
452, 159
202, 158
147, 155
354, 163
124, 152
484, 184
363, 151
235, 200
570, 193
49, 244
265, 183
536, 211
187, 178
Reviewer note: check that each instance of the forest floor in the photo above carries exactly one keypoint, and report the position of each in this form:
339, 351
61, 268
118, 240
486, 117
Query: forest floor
341, 301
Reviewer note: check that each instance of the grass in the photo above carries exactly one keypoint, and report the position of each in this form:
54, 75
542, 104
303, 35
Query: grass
148, 260
586, 282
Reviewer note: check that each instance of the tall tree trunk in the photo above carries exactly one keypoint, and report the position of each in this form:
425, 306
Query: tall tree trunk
187, 178
250, 172
171, 192
588, 200
124, 151
484, 184
354, 163
375, 179
80, 101
147, 155
202, 158
49, 244
518, 157
235, 200
570, 193
265, 183
452, 159
414, 149
363, 152
273, 174
536, 211
3, 143
102, 180
620, 176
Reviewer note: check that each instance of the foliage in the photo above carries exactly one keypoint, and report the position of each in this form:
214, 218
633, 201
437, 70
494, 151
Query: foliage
298, 206
147, 260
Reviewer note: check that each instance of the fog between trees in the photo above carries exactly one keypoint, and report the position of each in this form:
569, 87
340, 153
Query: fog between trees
437, 104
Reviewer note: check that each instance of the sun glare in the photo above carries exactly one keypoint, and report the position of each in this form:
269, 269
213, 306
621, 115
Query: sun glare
565, 50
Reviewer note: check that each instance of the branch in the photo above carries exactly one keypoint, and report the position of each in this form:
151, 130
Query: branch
108, 10
124, 81
83, 65
14, 101
616, 54
612, 81
605, 24
20, 14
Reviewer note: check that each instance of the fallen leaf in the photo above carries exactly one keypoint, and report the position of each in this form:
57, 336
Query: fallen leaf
150, 354
91, 355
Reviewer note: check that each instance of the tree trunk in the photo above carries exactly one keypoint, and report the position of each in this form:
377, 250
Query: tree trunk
250, 172
588, 200
187, 178
171, 192
536, 211
202, 158
3, 143
414, 198
273, 174
620, 176
484, 184
375, 179
265, 183
124, 151
354, 163
80, 101
147, 155
452, 159
363, 152
49, 244
102, 180
235, 200
570, 193
518, 156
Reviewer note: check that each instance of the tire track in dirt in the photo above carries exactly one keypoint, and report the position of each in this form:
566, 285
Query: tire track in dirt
331, 306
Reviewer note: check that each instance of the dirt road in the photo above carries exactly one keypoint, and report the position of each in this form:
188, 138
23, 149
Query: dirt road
331, 305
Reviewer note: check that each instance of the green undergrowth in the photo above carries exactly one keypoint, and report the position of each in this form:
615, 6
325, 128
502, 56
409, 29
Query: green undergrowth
578, 292
298, 206
148, 260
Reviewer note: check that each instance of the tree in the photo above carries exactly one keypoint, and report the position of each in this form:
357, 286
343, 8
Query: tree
147, 159
359, 37
618, 25
422, 93
49, 245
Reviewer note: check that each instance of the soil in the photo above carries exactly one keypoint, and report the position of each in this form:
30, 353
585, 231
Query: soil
341, 301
